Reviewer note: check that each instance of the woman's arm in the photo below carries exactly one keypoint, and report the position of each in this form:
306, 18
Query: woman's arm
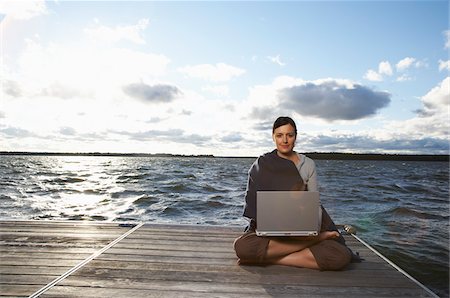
250, 194
309, 174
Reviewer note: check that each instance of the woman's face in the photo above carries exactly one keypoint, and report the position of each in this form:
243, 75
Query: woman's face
284, 138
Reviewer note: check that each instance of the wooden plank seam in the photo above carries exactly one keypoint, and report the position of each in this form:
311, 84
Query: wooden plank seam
396, 267
84, 262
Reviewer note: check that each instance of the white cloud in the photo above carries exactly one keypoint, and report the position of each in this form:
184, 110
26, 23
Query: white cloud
437, 100
372, 75
426, 133
444, 65
384, 68
22, 9
131, 33
404, 78
447, 39
220, 90
220, 72
276, 59
432, 121
405, 63
420, 64
87, 69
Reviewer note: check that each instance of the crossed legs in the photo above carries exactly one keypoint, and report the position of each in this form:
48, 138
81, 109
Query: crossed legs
296, 253
320, 252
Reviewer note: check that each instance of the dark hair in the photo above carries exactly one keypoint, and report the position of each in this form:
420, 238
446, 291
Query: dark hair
284, 121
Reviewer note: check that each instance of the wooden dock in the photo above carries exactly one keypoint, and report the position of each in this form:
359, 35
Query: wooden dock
99, 259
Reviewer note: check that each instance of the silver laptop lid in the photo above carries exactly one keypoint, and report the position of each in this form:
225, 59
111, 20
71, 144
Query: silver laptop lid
287, 213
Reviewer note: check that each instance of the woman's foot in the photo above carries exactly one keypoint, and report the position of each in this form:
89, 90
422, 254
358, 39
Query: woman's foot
328, 235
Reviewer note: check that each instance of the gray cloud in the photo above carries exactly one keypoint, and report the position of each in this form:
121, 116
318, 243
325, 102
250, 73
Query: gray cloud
12, 88
15, 132
185, 112
365, 144
67, 131
155, 120
62, 134
156, 93
332, 100
151, 134
264, 113
264, 126
172, 135
59, 90
232, 138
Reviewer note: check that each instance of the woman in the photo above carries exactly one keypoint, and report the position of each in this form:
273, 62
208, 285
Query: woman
285, 169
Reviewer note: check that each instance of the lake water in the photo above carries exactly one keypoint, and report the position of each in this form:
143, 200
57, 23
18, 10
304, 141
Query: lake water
400, 208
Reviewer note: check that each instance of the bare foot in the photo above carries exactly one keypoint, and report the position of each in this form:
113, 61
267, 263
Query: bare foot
328, 235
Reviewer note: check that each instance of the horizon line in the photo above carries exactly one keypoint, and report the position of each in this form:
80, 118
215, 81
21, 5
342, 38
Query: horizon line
314, 155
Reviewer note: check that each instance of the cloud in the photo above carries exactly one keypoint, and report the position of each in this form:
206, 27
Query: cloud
431, 120
404, 78
444, 65
156, 93
333, 100
155, 120
385, 68
88, 70
59, 90
12, 88
150, 134
447, 39
232, 138
67, 131
405, 63
131, 33
276, 59
186, 112
263, 112
22, 10
60, 81
263, 126
437, 100
367, 144
171, 135
220, 72
220, 90
374, 76
15, 132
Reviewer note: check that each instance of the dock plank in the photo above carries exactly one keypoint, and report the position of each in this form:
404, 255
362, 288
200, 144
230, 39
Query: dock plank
52, 247
173, 260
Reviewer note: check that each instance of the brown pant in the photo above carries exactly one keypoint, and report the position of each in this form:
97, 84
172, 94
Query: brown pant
329, 254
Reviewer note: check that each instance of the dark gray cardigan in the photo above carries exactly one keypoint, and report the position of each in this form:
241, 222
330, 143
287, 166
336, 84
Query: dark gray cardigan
271, 172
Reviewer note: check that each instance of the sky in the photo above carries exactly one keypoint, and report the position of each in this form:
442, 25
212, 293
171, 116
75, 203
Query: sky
210, 77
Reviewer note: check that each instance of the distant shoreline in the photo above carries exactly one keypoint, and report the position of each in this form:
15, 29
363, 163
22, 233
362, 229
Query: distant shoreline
313, 155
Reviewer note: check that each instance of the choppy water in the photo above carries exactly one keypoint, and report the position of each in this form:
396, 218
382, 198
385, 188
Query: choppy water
400, 208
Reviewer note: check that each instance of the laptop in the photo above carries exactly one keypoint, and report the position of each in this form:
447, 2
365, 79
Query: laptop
288, 213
